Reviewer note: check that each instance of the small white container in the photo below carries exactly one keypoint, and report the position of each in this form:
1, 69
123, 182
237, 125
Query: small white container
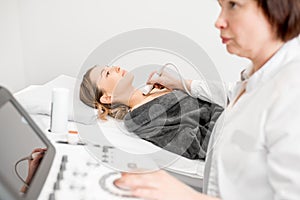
59, 111
72, 137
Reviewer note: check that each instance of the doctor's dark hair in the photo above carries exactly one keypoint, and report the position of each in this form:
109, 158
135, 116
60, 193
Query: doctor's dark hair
90, 95
284, 16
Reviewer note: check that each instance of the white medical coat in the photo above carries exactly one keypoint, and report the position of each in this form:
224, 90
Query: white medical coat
256, 142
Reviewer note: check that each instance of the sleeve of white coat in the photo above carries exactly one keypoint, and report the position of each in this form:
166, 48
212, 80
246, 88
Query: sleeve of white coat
215, 92
283, 144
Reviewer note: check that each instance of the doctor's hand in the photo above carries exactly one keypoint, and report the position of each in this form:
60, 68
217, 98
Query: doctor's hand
168, 80
158, 185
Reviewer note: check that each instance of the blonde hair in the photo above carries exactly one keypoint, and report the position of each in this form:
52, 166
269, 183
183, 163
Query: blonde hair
90, 95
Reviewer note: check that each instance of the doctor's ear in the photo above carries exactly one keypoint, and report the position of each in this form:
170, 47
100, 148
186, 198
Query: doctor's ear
105, 99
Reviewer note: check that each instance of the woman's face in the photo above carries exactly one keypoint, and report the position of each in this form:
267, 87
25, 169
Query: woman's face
244, 28
114, 82
107, 78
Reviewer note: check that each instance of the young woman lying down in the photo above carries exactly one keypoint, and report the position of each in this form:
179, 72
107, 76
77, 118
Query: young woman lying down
170, 119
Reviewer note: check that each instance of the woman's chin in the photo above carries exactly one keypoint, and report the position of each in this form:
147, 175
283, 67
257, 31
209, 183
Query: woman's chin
232, 50
128, 77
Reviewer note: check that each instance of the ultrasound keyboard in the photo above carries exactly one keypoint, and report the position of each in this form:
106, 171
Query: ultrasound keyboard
76, 175
86, 180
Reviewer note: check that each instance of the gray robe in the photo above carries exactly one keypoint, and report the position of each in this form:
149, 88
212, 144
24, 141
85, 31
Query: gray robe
176, 122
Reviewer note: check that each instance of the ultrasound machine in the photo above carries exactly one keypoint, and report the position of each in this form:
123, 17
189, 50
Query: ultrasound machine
33, 167
26, 154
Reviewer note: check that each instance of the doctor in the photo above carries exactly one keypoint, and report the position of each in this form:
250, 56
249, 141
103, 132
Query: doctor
257, 151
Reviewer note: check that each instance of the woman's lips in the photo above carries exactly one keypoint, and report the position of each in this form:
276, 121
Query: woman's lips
225, 40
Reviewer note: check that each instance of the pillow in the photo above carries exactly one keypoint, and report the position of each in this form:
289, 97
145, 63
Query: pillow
36, 99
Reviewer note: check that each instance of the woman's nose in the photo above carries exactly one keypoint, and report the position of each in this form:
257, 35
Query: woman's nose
221, 22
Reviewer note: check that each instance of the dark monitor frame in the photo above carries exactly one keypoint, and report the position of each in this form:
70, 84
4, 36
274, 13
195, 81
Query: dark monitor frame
36, 185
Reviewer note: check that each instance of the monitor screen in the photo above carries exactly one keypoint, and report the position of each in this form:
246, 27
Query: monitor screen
21, 150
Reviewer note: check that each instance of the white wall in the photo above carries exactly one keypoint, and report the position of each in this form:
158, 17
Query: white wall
11, 60
57, 36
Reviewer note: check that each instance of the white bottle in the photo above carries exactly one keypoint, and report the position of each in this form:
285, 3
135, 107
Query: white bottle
59, 111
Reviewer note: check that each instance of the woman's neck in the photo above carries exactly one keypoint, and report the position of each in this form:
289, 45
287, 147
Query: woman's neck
136, 98
265, 54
